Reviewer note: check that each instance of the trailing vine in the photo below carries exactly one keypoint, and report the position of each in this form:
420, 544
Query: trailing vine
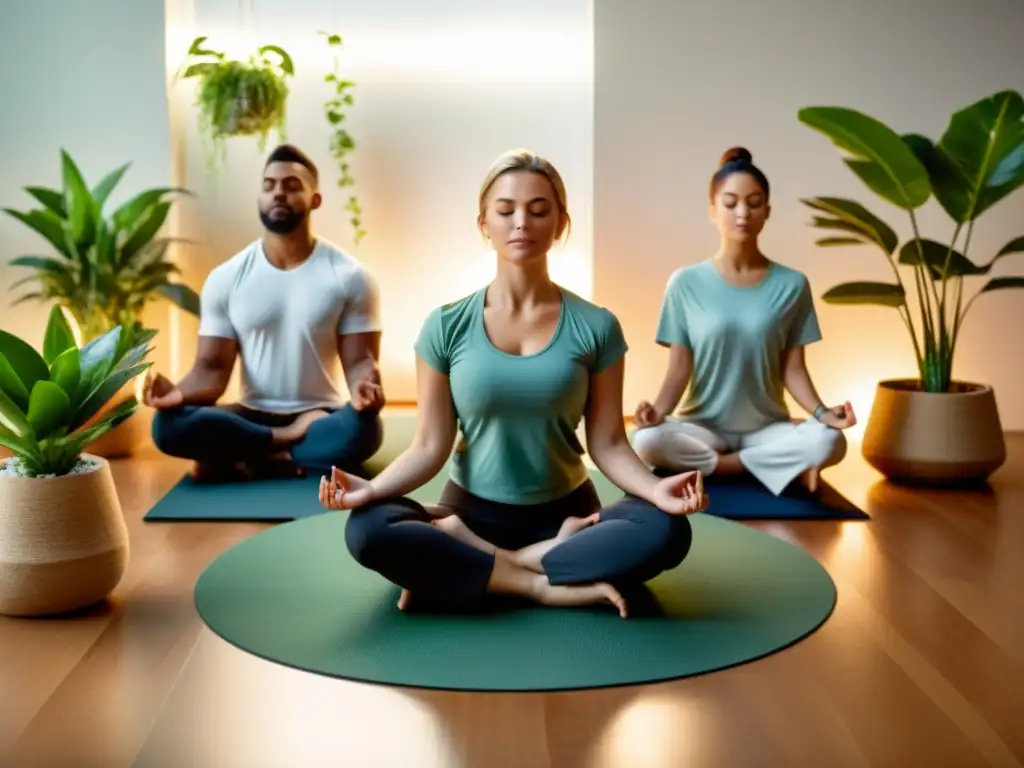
341, 142
239, 98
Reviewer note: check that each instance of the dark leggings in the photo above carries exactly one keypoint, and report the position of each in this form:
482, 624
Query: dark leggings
225, 434
633, 542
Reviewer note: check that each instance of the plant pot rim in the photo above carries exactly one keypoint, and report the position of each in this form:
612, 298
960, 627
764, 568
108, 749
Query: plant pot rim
975, 389
99, 464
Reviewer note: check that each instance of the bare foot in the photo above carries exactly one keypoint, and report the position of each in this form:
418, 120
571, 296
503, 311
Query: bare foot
298, 428
211, 472
576, 524
453, 526
576, 595
810, 479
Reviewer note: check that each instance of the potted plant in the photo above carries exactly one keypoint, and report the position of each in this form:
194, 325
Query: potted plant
341, 142
107, 267
933, 428
63, 538
239, 98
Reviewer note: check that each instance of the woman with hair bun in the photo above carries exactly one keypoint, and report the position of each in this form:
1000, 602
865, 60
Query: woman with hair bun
736, 325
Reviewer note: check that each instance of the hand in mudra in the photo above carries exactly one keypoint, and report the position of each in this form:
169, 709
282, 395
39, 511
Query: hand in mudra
647, 415
159, 392
681, 494
345, 491
840, 417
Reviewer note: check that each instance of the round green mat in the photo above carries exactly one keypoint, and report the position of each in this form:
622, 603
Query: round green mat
293, 594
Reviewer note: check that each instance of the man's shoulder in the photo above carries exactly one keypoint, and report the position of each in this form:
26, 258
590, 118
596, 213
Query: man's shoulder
228, 272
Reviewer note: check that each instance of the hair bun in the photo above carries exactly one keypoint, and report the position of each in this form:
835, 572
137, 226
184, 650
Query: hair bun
736, 155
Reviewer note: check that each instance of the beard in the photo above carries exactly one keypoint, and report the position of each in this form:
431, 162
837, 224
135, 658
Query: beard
284, 221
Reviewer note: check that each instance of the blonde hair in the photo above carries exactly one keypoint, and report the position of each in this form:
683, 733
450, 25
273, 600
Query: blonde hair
524, 160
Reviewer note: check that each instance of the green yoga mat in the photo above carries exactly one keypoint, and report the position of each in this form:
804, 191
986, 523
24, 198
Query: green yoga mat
293, 595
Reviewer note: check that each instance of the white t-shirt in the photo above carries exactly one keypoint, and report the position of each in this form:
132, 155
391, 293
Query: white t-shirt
287, 323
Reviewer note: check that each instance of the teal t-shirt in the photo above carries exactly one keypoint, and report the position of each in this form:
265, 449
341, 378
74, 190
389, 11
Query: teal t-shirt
518, 415
737, 336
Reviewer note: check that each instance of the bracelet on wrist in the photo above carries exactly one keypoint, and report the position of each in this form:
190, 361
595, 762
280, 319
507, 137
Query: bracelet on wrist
820, 411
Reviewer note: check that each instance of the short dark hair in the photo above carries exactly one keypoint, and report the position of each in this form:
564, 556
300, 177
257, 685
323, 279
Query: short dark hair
289, 153
737, 160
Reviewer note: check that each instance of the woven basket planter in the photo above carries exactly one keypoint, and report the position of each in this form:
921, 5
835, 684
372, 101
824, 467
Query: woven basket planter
63, 540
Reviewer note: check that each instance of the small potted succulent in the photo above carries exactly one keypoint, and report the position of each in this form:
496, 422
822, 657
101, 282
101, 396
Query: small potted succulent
63, 538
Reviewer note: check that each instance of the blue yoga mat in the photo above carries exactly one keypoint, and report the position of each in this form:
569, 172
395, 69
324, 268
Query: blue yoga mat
292, 499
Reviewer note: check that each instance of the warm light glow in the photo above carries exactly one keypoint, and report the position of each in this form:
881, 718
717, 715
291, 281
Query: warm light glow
174, 332
861, 396
651, 730
550, 56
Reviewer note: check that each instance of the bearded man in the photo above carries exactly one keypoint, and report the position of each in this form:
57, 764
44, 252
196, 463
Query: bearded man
296, 311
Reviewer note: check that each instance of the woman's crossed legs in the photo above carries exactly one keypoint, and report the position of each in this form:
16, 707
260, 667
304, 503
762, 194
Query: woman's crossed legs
568, 552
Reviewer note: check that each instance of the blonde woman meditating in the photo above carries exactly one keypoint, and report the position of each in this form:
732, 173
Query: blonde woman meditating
516, 365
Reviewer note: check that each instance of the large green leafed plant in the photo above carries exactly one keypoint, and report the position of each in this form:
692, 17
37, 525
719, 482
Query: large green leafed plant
977, 162
108, 265
48, 398
239, 98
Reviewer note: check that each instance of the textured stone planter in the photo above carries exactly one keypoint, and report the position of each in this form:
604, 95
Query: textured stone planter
939, 439
63, 540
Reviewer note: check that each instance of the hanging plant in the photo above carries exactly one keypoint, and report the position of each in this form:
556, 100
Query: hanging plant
239, 98
341, 142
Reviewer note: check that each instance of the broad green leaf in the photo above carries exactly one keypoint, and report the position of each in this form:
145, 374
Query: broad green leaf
102, 190
66, 372
98, 357
1014, 246
833, 242
145, 231
20, 445
882, 294
48, 408
286, 61
855, 214
58, 336
48, 225
880, 157
12, 384
29, 364
13, 417
951, 187
43, 264
1001, 283
181, 295
51, 199
77, 200
126, 217
935, 255
985, 141
75, 443
99, 396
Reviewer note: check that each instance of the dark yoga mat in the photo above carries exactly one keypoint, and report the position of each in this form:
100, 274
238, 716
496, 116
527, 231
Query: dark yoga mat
293, 595
284, 500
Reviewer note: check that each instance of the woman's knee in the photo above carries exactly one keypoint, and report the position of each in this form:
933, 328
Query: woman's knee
649, 445
665, 538
368, 528
826, 446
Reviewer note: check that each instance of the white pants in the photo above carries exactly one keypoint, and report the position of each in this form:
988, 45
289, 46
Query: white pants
775, 454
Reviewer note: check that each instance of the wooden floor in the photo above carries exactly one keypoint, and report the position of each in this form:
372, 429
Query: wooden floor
922, 664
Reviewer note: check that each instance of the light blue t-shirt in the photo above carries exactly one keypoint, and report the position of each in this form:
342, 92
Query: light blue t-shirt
518, 414
737, 336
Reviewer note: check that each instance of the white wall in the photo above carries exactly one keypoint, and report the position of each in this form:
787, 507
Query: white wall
88, 78
443, 88
678, 83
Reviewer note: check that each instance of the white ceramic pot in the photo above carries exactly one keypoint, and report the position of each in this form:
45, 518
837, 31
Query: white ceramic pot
63, 540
